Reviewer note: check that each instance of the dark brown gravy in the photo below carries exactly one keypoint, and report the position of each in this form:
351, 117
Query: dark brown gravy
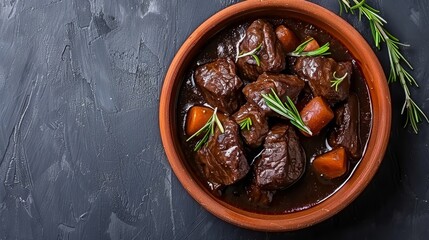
311, 189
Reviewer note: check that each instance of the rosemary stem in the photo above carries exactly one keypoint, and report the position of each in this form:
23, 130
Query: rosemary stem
381, 30
414, 114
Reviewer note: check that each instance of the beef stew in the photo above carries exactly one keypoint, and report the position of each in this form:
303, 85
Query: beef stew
260, 162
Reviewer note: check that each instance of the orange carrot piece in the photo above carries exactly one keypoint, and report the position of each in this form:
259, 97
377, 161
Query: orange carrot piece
287, 38
332, 164
311, 46
196, 118
316, 114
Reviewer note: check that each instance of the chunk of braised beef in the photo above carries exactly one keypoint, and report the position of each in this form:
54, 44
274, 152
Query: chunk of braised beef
346, 130
282, 161
255, 135
284, 85
319, 72
260, 197
271, 54
219, 84
222, 160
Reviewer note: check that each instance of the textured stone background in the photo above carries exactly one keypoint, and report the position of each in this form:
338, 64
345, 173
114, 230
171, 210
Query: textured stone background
80, 152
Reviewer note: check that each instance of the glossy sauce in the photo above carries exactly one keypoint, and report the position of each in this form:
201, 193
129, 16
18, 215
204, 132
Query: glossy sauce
311, 189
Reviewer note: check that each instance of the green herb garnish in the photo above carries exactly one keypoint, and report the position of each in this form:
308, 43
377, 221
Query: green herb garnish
397, 61
337, 80
252, 53
208, 130
287, 110
299, 51
246, 123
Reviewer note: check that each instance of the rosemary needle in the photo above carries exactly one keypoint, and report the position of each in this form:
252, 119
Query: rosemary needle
337, 80
287, 110
208, 130
299, 51
246, 123
252, 53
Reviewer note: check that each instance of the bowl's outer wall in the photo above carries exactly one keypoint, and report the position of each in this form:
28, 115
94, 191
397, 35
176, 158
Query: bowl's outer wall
371, 69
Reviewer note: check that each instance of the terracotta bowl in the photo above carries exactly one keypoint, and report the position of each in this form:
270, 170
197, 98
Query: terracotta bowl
371, 69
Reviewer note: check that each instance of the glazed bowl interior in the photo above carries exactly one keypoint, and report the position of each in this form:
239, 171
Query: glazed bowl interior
371, 69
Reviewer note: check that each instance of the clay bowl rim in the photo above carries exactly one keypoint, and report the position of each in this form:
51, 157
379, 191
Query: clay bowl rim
380, 103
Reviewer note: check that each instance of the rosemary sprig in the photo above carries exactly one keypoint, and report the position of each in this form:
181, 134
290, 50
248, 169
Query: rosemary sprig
287, 110
252, 53
415, 114
208, 130
299, 51
246, 123
337, 80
